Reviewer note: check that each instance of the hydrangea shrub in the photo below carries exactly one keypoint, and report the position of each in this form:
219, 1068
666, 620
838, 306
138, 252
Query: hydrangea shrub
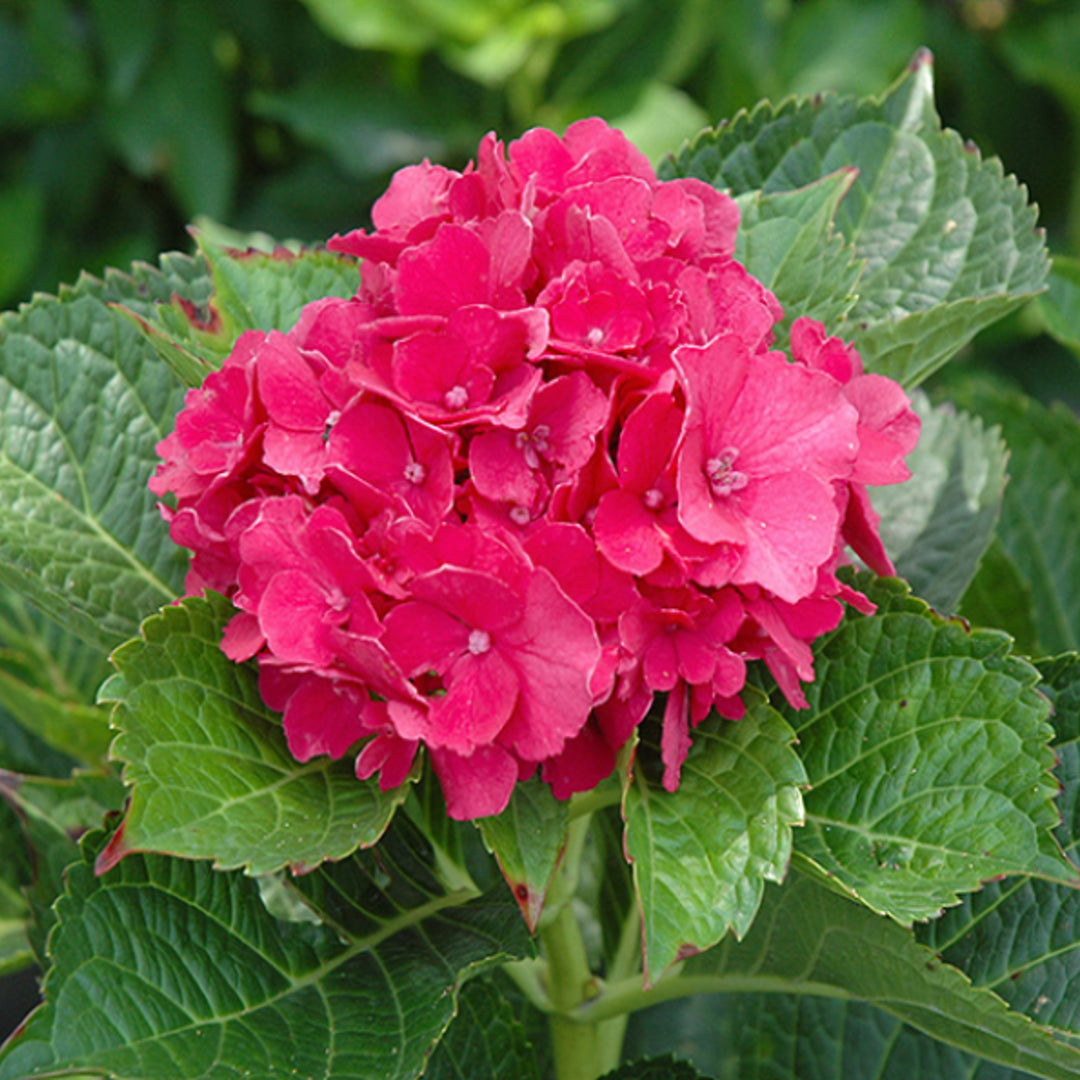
541, 521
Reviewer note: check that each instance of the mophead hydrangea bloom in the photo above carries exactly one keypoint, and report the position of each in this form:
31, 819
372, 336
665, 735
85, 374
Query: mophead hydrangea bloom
544, 467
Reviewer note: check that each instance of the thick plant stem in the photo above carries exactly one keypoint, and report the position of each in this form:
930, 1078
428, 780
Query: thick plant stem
583, 1051
569, 982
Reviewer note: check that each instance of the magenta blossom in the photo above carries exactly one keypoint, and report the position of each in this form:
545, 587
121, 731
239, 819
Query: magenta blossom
542, 475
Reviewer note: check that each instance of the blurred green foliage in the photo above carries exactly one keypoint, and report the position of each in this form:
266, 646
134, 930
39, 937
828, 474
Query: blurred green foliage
123, 120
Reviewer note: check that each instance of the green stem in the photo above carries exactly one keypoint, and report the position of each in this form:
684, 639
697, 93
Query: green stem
569, 984
583, 1051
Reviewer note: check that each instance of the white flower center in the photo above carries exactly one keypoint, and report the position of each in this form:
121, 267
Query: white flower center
520, 515
722, 476
479, 642
594, 337
533, 443
457, 397
415, 473
653, 498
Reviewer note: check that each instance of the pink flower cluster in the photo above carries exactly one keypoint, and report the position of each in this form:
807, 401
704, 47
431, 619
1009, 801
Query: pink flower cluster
542, 467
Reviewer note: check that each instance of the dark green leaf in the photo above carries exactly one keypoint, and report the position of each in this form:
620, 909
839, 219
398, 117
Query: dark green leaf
22, 232
1019, 937
211, 772
1040, 517
1060, 305
484, 1040
703, 853
129, 994
172, 117
1000, 596
948, 241
937, 525
927, 750
1016, 937
53, 815
528, 839
662, 1068
808, 940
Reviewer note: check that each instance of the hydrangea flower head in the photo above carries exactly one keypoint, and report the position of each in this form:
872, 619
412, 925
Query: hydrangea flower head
543, 474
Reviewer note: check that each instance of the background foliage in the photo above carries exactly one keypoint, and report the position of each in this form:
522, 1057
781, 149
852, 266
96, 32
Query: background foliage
123, 120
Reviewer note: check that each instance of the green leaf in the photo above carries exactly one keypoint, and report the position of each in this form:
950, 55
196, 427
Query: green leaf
83, 402
485, 1039
22, 233
703, 853
662, 1068
172, 117
927, 750
1040, 517
999, 596
528, 838
48, 679
263, 287
1016, 937
129, 995
266, 290
76, 729
787, 240
948, 241
1060, 305
52, 815
810, 941
211, 771
937, 525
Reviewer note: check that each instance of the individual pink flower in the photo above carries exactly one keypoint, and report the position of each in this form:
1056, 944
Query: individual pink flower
763, 442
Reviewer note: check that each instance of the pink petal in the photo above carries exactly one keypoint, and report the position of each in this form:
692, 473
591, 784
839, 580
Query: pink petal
478, 785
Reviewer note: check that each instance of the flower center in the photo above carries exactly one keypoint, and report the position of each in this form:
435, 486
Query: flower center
457, 397
533, 443
479, 642
653, 498
594, 337
520, 515
415, 473
722, 476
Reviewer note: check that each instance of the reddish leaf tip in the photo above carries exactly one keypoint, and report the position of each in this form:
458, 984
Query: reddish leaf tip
113, 852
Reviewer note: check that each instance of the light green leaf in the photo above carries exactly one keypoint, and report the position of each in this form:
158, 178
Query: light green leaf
266, 291
702, 854
927, 750
128, 995
948, 241
937, 525
528, 838
211, 772
485, 1039
365, 25
1060, 305
83, 401
1040, 517
787, 240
